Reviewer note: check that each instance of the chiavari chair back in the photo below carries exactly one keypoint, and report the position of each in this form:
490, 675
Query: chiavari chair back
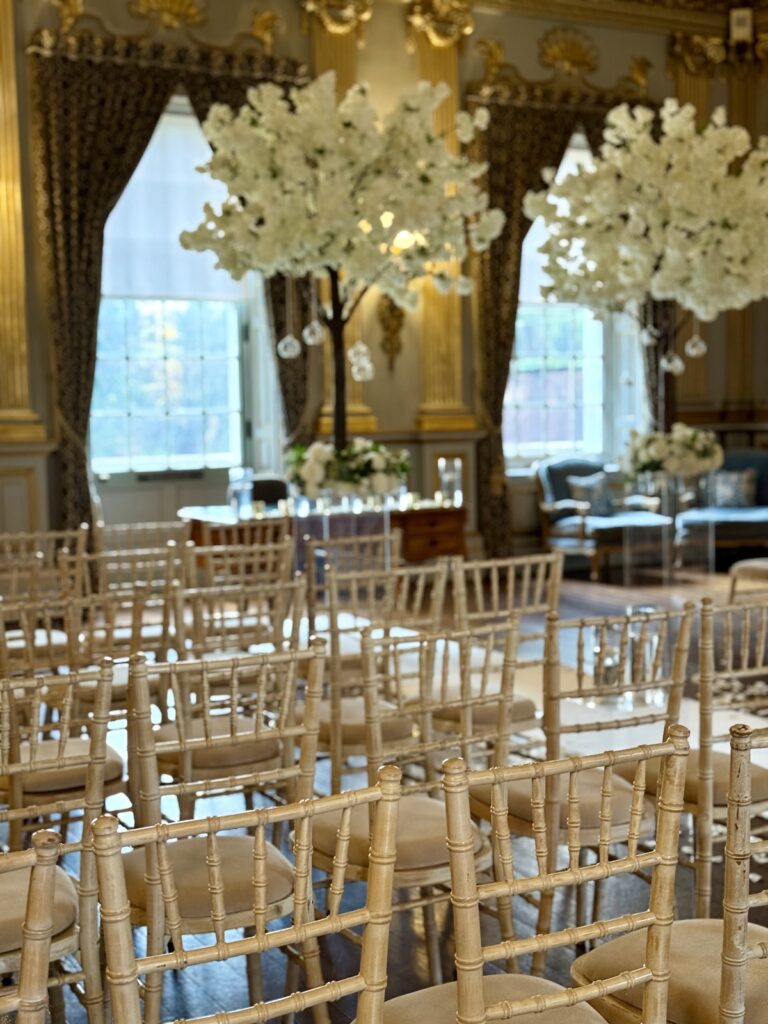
127, 537
33, 636
119, 571
32, 873
271, 887
211, 621
479, 997
58, 768
374, 552
227, 565
266, 530
40, 549
23, 579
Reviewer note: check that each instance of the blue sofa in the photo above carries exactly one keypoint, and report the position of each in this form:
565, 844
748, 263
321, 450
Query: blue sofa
737, 532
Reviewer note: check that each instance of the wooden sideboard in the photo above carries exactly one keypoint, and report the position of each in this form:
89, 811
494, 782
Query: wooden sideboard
431, 532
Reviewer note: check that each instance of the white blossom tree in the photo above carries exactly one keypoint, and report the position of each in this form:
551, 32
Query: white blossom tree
678, 214
329, 190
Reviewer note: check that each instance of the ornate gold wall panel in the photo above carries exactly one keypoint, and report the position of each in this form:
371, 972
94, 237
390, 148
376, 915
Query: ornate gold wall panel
338, 52
18, 423
442, 406
659, 15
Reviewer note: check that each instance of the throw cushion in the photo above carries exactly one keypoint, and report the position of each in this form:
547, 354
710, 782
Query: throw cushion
734, 488
594, 489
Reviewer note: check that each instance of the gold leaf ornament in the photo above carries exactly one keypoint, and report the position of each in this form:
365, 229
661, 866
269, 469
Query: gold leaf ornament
568, 51
169, 13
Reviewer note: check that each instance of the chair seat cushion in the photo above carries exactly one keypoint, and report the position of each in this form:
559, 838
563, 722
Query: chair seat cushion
54, 638
353, 722
523, 711
721, 767
14, 886
241, 752
694, 985
590, 783
71, 777
728, 523
190, 873
750, 569
606, 528
421, 829
437, 1005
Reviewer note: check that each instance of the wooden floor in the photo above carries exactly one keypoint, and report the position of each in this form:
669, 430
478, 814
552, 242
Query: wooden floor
214, 988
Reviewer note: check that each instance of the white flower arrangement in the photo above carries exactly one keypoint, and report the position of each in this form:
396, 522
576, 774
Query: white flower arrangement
684, 451
329, 190
363, 467
679, 215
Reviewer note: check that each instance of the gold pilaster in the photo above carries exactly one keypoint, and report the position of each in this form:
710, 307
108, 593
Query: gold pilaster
442, 407
18, 423
692, 387
334, 51
739, 387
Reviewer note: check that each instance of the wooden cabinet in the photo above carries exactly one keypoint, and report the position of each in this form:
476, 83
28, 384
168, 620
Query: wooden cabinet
431, 532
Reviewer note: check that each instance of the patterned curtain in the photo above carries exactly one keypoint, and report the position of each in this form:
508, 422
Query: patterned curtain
97, 102
300, 379
93, 122
520, 142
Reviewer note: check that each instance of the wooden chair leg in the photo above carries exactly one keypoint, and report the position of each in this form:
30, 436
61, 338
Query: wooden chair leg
732, 590
56, 1005
594, 560
432, 940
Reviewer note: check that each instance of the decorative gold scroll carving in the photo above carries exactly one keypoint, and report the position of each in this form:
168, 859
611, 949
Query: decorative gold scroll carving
713, 55
504, 82
169, 13
569, 51
70, 11
391, 318
338, 17
263, 28
443, 22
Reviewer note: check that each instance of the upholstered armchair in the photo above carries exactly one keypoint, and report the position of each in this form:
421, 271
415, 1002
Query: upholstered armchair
584, 512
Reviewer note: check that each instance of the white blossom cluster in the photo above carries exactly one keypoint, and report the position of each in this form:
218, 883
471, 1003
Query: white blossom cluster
364, 468
684, 451
317, 185
681, 216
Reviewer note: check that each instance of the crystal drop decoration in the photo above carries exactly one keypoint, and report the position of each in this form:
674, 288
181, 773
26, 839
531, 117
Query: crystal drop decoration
672, 363
313, 334
289, 347
359, 352
649, 336
695, 347
362, 371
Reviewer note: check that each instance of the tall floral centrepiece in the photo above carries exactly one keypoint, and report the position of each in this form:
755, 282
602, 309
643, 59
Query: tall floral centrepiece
328, 190
678, 214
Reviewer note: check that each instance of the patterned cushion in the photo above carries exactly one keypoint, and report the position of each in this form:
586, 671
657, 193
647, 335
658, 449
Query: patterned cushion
734, 488
594, 489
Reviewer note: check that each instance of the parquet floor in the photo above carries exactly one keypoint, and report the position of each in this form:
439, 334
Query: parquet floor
220, 987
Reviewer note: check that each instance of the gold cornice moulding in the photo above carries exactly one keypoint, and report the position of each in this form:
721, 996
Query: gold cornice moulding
444, 22
651, 15
502, 81
708, 56
338, 17
70, 11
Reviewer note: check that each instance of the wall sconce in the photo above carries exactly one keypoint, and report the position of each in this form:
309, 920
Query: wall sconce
391, 318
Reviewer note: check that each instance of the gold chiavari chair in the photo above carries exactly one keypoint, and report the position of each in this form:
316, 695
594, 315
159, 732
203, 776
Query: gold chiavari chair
56, 768
398, 602
479, 997
227, 565
33, 636
232, 727
408, 732
489, 590
269, 887
717, 969
627, 685
23, 579
266, 530
139, 536
31, 875
82, 575
374, 552
41, 547
225, 620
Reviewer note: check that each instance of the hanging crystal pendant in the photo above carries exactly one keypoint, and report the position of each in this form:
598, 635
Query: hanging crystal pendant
359, 352
362, 371
289, 347
695, 347
672, 363
313, 334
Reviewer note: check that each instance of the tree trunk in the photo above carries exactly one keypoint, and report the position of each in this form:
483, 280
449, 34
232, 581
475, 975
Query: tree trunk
336, 325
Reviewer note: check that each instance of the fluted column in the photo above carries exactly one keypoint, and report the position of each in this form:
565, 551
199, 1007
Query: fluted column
336, 50
442, 405
692, 387
19, 424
